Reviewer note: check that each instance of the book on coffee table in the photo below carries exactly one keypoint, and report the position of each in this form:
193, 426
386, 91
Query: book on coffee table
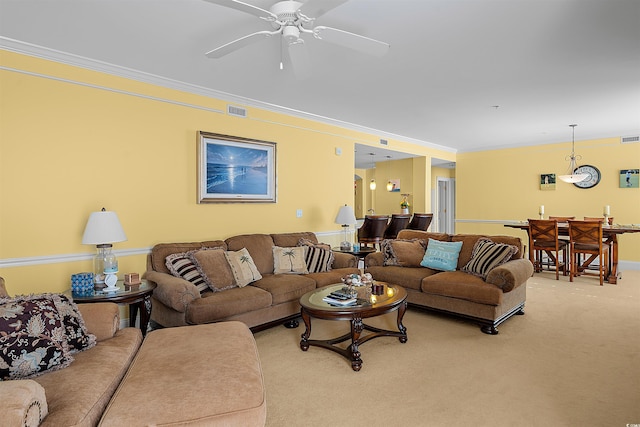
339, 301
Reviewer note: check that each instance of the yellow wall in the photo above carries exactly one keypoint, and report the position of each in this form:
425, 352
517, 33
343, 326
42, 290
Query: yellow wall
504, 185
73, 141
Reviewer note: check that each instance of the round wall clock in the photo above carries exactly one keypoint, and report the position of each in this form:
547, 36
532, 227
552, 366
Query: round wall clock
592, 180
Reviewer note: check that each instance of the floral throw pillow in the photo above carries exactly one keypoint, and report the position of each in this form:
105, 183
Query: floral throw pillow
32, 337
78, 337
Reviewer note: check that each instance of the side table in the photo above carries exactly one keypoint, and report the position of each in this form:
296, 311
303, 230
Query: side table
137, 296
361, 254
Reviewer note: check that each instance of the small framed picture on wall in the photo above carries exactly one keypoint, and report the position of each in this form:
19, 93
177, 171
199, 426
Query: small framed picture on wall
630, 178
548, 181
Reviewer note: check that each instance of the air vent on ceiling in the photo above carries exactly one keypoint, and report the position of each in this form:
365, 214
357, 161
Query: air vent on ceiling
236, 111
384, 142
630, 139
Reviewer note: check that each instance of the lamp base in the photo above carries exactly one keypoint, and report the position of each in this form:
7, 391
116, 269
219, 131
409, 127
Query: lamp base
345, 246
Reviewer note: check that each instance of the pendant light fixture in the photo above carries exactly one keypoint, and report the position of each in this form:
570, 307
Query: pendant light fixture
372, 184
571, 176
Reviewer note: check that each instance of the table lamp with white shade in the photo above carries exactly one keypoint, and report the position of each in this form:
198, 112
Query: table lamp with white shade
345, 217
103, 228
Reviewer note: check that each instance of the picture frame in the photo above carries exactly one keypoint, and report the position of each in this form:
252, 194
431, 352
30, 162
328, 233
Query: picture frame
630, 178
233, 169
548, 181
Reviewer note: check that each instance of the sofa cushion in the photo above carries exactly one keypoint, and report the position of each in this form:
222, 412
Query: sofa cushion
259, 246
214, 267
32, 338
441, 255
181, 265
457, 284
216, 306
289, 260
404, 253
243, 268
487, 255
407, 277
285, 287
424, 235
160, 252
293, 239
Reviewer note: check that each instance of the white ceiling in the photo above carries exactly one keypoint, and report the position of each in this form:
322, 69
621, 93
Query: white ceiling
463, 74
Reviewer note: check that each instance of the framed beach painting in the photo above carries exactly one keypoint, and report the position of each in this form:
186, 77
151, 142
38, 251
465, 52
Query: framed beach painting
235, 169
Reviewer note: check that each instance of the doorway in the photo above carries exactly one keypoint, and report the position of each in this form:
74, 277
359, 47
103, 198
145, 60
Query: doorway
445, 205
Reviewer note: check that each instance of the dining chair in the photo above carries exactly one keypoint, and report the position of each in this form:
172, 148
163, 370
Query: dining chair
562, 218
609, 222
398, 222
543, 238
420, 221
585, 238
372, 230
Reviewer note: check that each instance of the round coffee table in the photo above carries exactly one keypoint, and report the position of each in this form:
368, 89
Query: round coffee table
312, 305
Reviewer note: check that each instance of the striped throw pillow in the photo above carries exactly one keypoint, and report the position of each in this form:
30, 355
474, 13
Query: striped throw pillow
180, 265
318, 259
487, 255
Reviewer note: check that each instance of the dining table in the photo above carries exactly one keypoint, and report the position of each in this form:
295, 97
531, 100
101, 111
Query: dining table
610, 235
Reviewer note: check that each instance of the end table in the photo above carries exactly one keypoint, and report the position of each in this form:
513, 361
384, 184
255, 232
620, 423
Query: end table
137, 296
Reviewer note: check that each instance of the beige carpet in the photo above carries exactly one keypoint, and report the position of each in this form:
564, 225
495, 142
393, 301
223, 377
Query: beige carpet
571, 360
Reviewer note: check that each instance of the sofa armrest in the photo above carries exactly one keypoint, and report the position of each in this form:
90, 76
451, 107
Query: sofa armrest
23, 403
102, 319
374, 259
172, 291
342, 260
511, 274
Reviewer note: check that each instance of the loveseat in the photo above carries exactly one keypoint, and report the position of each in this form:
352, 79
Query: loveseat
246, 278
486, 297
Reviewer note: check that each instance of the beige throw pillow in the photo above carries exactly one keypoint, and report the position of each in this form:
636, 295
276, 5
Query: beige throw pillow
243, 268
289, 260
214, 268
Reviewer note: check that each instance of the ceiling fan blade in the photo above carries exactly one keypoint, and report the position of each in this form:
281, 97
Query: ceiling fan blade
315, 8
351, 40
246, 7
225, 49
300, 61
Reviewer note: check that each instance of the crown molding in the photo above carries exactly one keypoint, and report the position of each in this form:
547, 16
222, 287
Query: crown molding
41, 52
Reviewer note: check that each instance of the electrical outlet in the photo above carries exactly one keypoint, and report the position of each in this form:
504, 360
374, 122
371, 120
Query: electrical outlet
299, 213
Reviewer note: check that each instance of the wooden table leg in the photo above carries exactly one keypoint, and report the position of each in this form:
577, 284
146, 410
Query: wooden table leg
356, 329
304, 342
613, 260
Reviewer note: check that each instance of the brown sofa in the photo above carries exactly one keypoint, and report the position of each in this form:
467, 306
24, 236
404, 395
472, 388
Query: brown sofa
274, 298
120, 382
488, 302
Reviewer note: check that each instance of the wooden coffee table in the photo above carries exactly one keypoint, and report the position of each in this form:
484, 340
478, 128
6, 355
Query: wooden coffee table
394, 298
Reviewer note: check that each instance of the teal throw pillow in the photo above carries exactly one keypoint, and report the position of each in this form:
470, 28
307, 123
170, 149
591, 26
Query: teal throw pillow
441, 255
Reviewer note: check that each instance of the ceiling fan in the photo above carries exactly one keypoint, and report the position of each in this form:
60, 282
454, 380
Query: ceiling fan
292, 19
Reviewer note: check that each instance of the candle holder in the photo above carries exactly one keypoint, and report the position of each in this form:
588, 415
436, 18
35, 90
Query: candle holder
541, 215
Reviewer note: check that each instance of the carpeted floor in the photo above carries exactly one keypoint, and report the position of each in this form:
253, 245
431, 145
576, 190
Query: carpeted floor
571, 360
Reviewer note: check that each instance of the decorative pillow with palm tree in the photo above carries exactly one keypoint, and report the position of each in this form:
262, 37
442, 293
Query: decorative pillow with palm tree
289, 260
243, 268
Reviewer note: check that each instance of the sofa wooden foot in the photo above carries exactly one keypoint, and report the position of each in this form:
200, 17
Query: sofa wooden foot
489, 329
520, 312
291, 324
